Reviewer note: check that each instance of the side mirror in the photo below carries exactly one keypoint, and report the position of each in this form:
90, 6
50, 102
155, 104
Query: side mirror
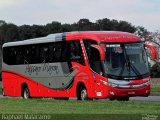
153, 51
101, 51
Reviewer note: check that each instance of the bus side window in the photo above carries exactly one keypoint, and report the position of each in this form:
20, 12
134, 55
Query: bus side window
76, 52
87, 44
93, 56
19, 55
57, 51
95, 61
27, 59
7, 55
44, 54
35, 54
13, 56
65, 50
51, 56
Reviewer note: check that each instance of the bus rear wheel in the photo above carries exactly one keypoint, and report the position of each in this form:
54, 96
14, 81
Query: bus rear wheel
3, 92
26, 94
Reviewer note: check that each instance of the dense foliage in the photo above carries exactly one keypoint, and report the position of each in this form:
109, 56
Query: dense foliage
155, 70
11, 32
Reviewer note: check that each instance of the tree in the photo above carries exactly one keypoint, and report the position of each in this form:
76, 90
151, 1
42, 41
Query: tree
104, 24
66, 28
2, 22
84, 25
54, 27
126, 27
8, 32
114, 24
38, 31
25, 32
110, 25
142, 32
155, 70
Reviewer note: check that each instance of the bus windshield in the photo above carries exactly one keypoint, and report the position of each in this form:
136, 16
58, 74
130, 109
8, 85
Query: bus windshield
126, 61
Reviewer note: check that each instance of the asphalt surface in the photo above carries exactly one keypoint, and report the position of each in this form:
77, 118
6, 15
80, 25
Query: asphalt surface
146, 99
140, 99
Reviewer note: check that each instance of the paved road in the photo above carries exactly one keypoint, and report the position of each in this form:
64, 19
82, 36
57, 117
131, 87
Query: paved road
141, 99
147, 99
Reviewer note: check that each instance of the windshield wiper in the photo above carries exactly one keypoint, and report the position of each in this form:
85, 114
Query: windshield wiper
135, 70
129, 65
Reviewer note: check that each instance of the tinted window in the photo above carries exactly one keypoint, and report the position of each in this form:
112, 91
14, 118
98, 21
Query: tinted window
87, 44
75, 52
93, 56
44, 53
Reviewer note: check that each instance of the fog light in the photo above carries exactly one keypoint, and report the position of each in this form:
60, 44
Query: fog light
147, 91
112, 93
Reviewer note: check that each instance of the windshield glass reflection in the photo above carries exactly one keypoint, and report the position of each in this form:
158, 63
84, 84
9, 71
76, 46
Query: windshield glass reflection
126, 60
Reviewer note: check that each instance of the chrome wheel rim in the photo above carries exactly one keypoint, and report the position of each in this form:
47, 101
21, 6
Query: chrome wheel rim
83, 94
26, 93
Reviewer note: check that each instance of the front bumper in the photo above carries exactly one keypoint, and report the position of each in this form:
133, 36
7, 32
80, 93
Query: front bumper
118, 92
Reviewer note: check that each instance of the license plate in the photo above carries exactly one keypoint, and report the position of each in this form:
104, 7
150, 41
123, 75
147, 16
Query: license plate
131, 93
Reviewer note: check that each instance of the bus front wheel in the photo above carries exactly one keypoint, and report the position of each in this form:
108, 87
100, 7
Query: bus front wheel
83, 94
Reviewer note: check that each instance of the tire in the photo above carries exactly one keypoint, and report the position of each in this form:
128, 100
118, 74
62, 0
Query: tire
3, 92
83, 94
26, 94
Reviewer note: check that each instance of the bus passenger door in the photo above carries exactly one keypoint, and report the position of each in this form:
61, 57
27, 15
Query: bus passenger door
96, 67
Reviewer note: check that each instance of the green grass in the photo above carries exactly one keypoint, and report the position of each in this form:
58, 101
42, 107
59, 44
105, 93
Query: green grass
155, 90
51, 106
83, 110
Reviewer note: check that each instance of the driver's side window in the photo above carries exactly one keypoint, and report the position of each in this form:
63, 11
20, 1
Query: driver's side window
93, 56
95, 62
75, 52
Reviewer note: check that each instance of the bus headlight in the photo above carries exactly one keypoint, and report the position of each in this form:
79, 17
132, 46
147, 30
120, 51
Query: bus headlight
109, 84
114, 85
104, 82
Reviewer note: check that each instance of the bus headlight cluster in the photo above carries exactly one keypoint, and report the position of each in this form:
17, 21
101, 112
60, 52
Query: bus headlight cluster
109, 84
113, 85
104, 82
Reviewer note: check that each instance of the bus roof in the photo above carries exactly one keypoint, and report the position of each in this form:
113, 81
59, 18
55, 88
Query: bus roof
104, 36
100, 36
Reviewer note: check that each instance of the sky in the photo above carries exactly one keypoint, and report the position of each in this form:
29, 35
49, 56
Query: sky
144, 13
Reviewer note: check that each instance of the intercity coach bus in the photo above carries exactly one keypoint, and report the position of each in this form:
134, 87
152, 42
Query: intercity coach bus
86, 65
